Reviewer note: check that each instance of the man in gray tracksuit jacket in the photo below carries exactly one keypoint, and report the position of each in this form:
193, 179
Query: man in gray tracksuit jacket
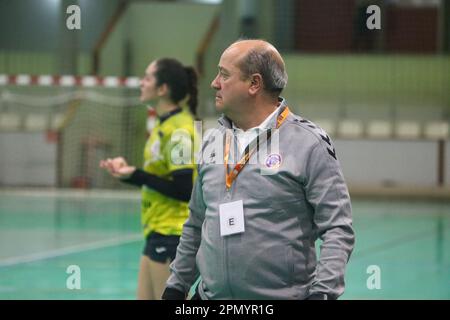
291, 196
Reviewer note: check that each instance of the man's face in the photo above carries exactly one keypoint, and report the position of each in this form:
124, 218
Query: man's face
148, 84
231, 89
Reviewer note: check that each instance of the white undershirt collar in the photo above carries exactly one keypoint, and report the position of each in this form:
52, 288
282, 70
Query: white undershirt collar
245, 137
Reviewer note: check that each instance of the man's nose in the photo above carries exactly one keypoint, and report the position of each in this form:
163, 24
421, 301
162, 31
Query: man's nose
215, 84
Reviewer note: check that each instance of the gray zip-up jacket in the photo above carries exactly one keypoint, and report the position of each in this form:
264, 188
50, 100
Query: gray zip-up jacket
284, 214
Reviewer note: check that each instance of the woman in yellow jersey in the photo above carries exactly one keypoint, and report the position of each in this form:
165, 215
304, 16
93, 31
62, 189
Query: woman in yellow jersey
166, 182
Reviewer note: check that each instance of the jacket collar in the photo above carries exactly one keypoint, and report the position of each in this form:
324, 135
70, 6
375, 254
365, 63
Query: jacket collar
226, 122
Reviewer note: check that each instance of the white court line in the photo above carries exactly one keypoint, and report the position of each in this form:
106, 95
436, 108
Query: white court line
69, 250
73, 193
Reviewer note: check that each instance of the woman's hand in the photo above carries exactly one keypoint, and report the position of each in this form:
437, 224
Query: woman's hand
117, 167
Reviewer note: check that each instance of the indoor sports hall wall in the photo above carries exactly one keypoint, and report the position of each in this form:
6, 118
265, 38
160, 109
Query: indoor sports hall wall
151, 30
328, 88
365, 86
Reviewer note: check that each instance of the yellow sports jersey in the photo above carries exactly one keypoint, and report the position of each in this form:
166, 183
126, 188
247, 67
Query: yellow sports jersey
170, 147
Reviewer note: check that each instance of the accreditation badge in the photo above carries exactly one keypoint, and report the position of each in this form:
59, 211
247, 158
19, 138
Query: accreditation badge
231, 218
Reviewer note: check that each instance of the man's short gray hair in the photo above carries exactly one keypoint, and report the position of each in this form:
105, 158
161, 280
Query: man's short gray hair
269, 65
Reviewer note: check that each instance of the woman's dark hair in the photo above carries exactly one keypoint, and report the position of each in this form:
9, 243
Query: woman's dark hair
181, 80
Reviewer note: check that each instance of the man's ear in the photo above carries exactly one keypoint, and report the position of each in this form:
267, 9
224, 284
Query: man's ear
256, 83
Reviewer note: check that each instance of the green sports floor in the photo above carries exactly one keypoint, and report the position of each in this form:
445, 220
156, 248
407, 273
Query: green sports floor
407, 243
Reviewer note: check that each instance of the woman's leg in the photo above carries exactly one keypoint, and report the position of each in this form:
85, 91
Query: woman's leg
145, 285
154, 271
159, 273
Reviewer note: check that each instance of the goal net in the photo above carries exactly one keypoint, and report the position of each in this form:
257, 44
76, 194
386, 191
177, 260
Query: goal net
55, 130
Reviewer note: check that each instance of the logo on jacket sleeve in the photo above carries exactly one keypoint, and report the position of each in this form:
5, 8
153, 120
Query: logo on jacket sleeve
273, 161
